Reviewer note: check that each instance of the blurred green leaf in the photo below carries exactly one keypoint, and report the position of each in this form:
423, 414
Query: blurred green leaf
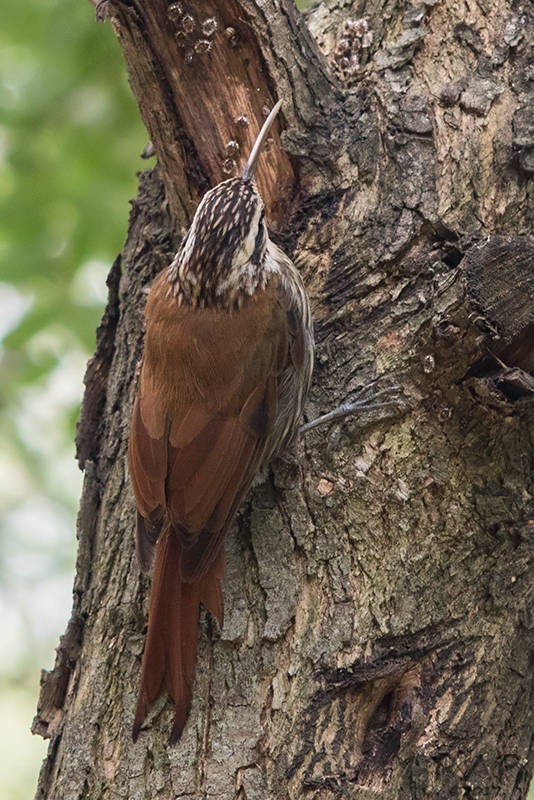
70, 139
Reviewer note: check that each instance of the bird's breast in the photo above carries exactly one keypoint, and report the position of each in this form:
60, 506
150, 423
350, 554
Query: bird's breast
210, 355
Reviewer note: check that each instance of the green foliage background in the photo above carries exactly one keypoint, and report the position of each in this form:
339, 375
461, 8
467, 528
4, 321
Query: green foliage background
70, 139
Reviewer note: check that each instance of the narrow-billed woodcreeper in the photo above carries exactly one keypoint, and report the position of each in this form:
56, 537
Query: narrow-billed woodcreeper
227, 363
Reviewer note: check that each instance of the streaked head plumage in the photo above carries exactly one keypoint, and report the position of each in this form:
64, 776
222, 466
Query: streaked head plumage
227, 231
225, 247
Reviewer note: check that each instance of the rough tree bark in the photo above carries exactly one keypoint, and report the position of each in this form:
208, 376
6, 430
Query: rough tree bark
378, 627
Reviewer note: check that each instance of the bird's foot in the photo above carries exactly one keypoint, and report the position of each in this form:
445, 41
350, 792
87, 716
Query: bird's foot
365, 401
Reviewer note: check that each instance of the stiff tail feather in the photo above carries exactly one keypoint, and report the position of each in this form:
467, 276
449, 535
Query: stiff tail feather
171, 645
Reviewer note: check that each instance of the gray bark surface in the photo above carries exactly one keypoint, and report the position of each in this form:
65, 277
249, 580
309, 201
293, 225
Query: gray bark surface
378, 632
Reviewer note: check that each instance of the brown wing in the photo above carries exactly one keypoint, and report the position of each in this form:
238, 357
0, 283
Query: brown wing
207, 405
208, 477
148, 470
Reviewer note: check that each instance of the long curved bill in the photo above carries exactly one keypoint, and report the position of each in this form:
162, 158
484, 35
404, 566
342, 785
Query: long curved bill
250, 166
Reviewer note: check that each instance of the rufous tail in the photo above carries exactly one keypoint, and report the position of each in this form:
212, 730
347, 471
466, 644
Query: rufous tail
171, 645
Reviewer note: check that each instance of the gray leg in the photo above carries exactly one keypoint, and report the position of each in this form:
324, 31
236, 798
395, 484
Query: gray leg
362, 402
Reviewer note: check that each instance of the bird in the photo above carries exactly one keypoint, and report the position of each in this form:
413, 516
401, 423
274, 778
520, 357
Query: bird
227, 363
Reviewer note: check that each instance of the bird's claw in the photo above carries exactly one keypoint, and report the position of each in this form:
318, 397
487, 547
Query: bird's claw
364, 402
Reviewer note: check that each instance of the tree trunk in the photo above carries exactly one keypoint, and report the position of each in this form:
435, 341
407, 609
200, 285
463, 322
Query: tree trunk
378, 590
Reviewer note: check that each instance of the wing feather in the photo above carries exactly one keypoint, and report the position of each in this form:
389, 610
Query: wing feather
198, 437
147, 458
218, 394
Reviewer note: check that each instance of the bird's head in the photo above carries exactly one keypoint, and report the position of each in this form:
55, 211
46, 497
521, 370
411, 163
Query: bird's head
228, 231
225, 246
